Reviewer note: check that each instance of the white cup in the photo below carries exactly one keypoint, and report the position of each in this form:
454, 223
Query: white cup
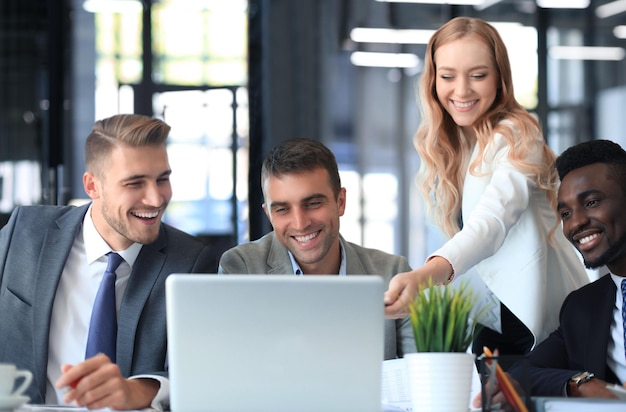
9, 375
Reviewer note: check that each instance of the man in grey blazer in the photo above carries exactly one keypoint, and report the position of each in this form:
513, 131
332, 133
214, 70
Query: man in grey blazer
304, 201
52, 260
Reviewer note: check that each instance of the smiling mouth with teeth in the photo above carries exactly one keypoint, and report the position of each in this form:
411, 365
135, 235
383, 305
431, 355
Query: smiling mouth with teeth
464, 105
306, 238
587, 239
146, 215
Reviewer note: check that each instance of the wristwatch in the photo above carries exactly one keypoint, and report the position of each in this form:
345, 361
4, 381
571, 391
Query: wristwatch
571, 389
581, 377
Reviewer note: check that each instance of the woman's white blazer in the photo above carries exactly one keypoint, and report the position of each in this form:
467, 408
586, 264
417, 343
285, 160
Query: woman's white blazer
506, 223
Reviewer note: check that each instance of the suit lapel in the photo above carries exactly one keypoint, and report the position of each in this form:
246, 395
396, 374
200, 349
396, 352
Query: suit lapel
598, 339
146, 271
54, 252
278, 261
354, 266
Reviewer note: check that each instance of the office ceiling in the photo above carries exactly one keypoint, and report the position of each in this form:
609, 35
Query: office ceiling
561, 27
599, 31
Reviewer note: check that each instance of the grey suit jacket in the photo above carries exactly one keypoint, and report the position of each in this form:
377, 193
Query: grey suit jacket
268, 256
34, 245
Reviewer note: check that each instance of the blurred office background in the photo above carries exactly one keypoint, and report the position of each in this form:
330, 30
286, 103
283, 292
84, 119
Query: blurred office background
234, 78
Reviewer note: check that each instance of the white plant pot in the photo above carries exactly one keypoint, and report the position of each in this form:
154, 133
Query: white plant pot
440, 382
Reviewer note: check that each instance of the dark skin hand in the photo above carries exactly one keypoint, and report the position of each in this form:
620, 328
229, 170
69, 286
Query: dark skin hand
499, 397
97, 383
595, 388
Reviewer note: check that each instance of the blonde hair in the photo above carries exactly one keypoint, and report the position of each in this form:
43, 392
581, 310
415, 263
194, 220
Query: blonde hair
133, 130
443, 149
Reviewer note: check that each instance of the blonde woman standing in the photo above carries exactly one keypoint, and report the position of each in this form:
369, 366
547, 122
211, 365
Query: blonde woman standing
489, 182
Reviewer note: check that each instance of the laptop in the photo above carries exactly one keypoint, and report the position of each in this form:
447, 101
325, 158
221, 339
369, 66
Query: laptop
273, 343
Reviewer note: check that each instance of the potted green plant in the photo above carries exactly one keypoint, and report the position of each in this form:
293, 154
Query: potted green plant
441, 318
440, 374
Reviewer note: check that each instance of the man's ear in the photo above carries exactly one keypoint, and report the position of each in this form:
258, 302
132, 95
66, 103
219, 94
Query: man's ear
90, 184
341, 201
267, 212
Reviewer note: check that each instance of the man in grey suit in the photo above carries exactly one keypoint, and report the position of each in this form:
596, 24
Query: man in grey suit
304, 201
52, 259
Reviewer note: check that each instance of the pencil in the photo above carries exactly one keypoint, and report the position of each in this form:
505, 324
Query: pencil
506, 386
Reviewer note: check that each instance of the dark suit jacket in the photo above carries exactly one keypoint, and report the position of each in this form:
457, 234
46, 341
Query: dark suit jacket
34, 245
579, 344
268, 256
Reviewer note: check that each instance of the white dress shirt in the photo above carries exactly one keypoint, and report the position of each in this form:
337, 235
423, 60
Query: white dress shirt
616, 359
71, 311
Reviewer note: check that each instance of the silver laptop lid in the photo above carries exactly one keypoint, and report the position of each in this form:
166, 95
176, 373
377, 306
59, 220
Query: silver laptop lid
275, 342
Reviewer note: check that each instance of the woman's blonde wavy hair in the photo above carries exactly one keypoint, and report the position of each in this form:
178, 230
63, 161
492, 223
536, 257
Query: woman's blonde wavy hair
443, 149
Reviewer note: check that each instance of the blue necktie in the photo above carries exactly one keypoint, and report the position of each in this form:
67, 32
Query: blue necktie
624, 312
103, 326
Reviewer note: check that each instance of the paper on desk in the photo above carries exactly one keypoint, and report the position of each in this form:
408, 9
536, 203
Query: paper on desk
396, 391
54, 408
66, 408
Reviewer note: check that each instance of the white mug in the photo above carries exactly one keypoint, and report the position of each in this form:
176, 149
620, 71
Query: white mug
9, 375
